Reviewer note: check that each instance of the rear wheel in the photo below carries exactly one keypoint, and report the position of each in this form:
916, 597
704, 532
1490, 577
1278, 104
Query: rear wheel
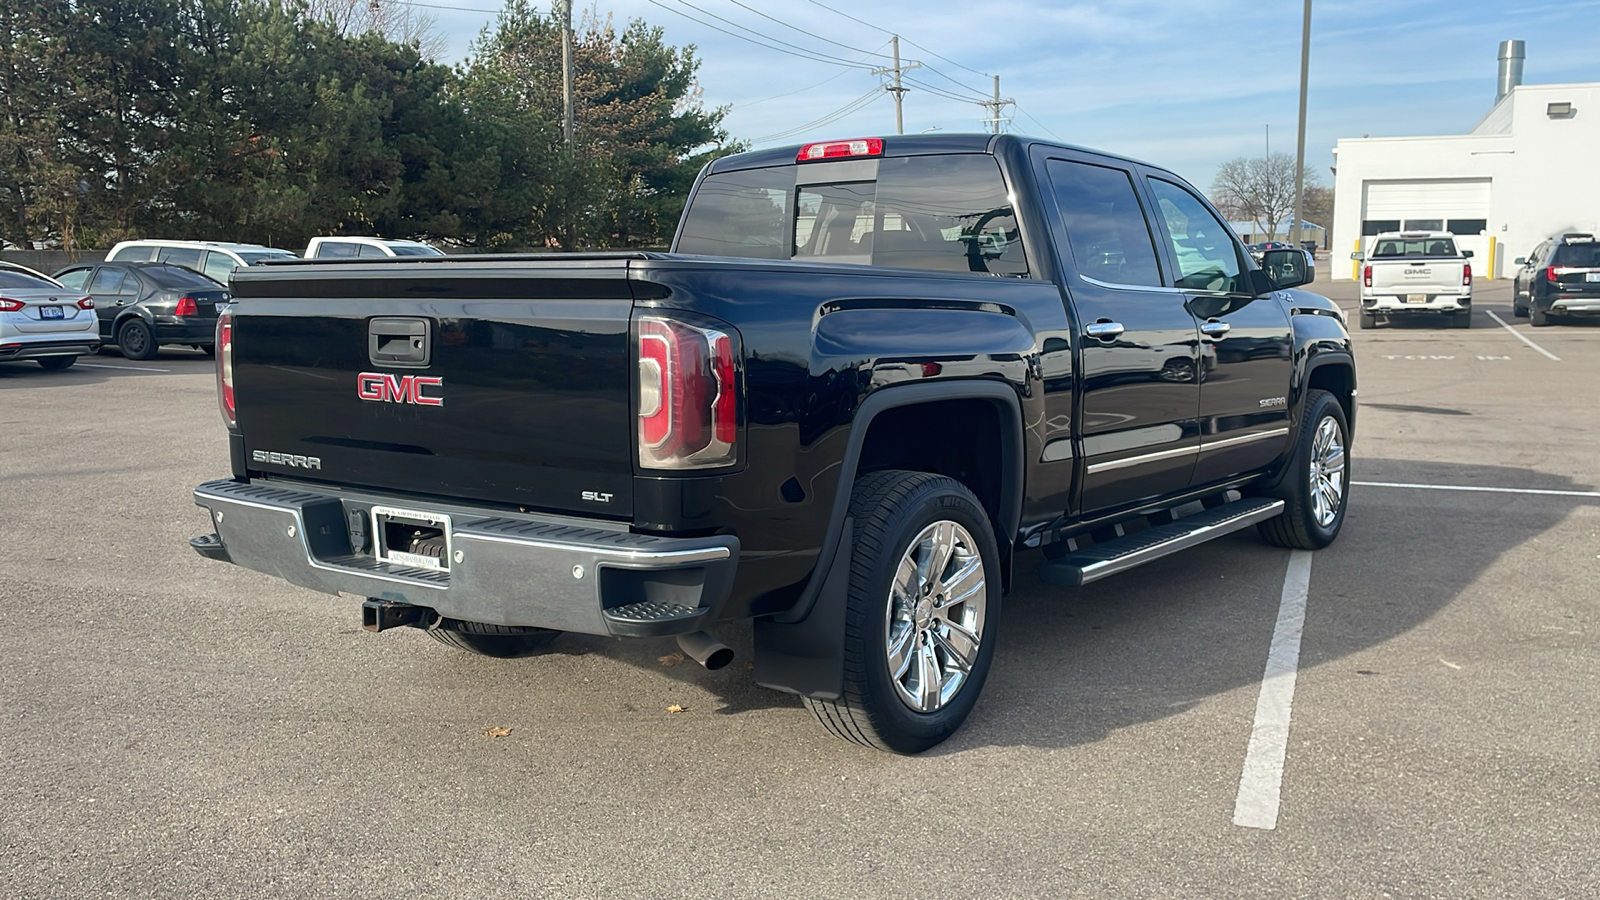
1316, 487
1462, 319
1537, 317
922, 613
1518, 308
56, 363
499, 641
1368, 320
136, 341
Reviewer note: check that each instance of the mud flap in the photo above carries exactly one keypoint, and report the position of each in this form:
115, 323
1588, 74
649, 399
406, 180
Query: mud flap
806, 657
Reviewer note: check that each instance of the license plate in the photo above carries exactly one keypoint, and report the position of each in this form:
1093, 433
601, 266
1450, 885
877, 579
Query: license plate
51, 312
395, 530
1591, 276
1416, 298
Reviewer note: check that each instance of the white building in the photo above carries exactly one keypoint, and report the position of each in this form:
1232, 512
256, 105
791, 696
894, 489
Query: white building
1527, 171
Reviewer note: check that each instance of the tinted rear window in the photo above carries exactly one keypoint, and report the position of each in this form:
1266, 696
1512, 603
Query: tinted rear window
1399, 247
940, 213
1577, 256
174, 278
11, 278
251, 259
408, 250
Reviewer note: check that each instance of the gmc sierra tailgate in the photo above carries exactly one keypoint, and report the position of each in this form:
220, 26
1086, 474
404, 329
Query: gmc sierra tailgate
1415, 279
503, 380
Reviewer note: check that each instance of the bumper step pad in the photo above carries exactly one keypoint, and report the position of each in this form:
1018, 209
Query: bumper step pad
1122, 553
648, 618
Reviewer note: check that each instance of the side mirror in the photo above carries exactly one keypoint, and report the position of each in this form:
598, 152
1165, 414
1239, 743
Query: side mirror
1358, 256
1467, 254
1520, 261
1286, 268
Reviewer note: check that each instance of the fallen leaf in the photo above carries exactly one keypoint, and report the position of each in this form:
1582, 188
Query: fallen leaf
675, 708
496, 731
671, 659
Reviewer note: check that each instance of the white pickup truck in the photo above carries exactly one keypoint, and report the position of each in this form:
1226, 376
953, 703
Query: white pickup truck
1415, 272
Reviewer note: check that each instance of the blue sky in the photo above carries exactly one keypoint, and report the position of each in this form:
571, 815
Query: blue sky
1187, 85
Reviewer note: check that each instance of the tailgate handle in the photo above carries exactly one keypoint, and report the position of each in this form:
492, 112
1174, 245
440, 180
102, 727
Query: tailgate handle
396, 341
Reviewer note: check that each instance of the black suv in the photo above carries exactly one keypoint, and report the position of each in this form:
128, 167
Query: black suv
144, 306
1561, 277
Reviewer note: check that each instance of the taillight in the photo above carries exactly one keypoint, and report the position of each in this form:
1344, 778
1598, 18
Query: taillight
187, 307
1466, 276
1551, 275
224, 348
86, 303
9, 305
688, 395
1366, 276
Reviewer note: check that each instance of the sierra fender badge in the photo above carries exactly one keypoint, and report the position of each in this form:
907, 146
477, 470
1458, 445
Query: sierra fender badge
381, 387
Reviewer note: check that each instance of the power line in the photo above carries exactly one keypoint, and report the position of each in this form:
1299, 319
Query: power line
805, 32
806, 53
835, 76
1035, 121
442, 6
861, 102
887, 31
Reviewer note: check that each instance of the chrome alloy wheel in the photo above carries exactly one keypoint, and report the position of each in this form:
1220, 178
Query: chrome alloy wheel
1327, 472
934, 618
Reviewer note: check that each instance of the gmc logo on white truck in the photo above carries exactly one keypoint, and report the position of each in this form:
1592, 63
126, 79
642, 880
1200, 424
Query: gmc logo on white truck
382, 387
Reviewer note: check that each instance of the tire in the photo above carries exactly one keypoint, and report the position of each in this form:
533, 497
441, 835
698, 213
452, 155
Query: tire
902, 518
56, 363
499, 641
1307, 521
1518, 310
1462, 319
136, 341
1537, 317
1368, 320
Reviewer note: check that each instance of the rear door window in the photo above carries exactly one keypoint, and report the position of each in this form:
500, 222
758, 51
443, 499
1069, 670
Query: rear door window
141, 253
188, 257
367, 251
1105, 224
107, 281
218, 266
336, 250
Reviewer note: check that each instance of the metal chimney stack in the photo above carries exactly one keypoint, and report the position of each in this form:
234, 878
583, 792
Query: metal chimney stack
1512, 53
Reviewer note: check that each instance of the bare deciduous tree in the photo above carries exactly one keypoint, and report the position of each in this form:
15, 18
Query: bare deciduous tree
1258, 190
398, 22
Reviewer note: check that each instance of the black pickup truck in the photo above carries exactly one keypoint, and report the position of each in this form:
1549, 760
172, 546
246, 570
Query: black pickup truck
868, 379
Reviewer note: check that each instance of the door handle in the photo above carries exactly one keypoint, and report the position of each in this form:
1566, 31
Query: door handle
1213, 328
1104, 329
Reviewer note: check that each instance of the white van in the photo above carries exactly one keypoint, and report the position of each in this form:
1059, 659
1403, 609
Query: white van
213, 259
366, 248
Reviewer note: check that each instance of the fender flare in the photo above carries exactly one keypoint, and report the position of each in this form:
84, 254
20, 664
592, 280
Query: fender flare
802, 651
1302, 386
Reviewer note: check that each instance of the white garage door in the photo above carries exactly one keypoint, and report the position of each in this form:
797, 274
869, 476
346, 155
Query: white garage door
1460, 205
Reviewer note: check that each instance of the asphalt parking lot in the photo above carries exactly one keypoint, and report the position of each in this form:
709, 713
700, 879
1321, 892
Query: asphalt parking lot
172, 727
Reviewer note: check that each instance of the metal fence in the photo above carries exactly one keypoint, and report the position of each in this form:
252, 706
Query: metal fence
48, 261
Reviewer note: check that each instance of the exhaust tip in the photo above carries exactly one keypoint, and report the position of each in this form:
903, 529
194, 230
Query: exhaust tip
705, 650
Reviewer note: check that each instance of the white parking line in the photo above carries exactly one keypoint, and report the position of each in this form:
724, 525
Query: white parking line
1257, 803
1469, 487
123, 368
1520, 336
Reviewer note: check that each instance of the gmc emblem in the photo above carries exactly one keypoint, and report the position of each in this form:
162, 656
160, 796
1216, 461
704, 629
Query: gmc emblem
382, 387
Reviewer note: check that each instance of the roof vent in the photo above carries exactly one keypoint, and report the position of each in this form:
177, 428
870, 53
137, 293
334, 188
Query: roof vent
1512, 53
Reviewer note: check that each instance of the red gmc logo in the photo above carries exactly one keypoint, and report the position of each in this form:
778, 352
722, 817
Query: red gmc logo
385, 388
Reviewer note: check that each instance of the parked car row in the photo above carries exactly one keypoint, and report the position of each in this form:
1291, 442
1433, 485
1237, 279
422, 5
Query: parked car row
146, 295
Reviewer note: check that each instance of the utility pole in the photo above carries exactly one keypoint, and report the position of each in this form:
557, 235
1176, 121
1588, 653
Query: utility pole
566, 72
895, 88
1300, 142
994, 106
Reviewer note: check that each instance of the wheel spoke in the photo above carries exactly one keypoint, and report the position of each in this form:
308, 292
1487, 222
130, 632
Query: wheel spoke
928, 681
944, 544
966, 581
901, 649
961, 629
962, 658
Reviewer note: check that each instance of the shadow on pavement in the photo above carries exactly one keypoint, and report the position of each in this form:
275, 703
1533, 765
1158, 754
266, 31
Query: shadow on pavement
1075, 666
